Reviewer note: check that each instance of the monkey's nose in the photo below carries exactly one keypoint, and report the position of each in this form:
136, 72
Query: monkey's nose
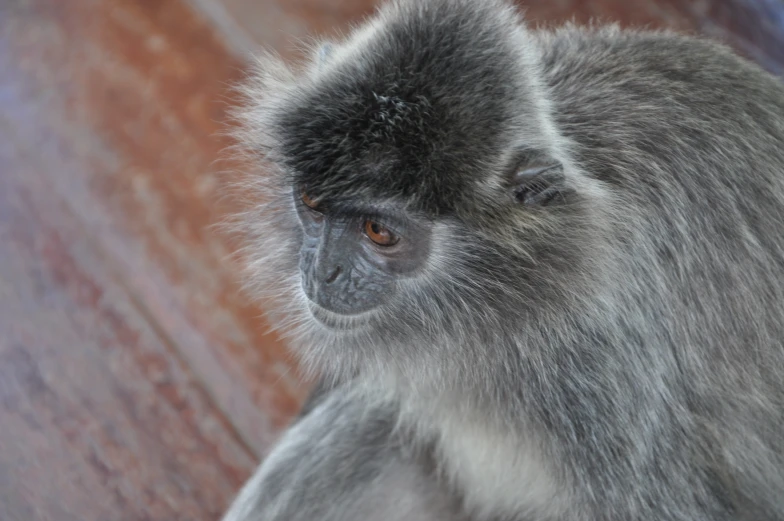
334, 276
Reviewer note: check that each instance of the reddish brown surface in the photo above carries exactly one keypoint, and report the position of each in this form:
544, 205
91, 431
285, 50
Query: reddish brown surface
135, 383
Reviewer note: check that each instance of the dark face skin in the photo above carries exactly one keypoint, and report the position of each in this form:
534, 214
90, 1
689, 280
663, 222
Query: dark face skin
351, 265
352, 258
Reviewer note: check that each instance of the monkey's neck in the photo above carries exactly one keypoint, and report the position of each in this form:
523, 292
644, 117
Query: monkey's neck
500, 467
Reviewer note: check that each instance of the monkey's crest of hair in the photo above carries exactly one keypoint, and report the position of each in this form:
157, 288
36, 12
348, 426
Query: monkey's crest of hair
427, 103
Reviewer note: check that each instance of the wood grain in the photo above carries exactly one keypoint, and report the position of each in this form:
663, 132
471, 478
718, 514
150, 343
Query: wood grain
135, 383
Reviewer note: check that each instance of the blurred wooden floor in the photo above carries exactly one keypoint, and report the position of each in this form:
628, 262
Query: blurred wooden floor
135, 382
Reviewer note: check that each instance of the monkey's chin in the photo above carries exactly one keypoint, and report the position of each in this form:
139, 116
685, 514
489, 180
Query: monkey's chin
336, 321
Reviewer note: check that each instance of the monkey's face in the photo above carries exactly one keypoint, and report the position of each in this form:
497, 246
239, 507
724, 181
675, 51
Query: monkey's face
353, 260
376, 265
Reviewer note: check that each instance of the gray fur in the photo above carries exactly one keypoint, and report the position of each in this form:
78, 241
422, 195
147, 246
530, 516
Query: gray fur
362, 461
617, 355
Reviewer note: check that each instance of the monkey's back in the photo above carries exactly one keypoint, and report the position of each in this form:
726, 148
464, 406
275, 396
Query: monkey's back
624, 96
690, 139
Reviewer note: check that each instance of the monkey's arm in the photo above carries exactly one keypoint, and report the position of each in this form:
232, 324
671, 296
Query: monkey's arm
342, 462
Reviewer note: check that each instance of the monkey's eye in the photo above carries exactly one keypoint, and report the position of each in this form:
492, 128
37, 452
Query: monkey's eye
380, 234
310, 202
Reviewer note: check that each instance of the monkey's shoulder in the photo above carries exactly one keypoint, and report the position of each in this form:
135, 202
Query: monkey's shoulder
664, 103
654, 66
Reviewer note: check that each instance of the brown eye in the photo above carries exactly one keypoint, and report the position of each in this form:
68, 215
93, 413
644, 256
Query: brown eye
309, 202
380, 234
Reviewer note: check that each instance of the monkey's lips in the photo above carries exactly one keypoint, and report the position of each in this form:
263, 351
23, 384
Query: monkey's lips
337, 321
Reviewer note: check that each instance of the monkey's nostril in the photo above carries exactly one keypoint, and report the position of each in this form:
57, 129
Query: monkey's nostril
334, 275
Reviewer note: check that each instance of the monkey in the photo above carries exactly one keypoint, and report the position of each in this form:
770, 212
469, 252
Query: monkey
538, 272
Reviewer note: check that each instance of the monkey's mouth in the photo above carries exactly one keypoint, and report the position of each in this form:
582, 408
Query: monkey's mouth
337, 321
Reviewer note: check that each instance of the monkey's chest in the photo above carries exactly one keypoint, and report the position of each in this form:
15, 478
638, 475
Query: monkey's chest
499, 472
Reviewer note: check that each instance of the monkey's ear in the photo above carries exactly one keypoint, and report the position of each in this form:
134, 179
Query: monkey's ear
537, 181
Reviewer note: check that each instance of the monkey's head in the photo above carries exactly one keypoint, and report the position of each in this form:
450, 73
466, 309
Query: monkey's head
418, 203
